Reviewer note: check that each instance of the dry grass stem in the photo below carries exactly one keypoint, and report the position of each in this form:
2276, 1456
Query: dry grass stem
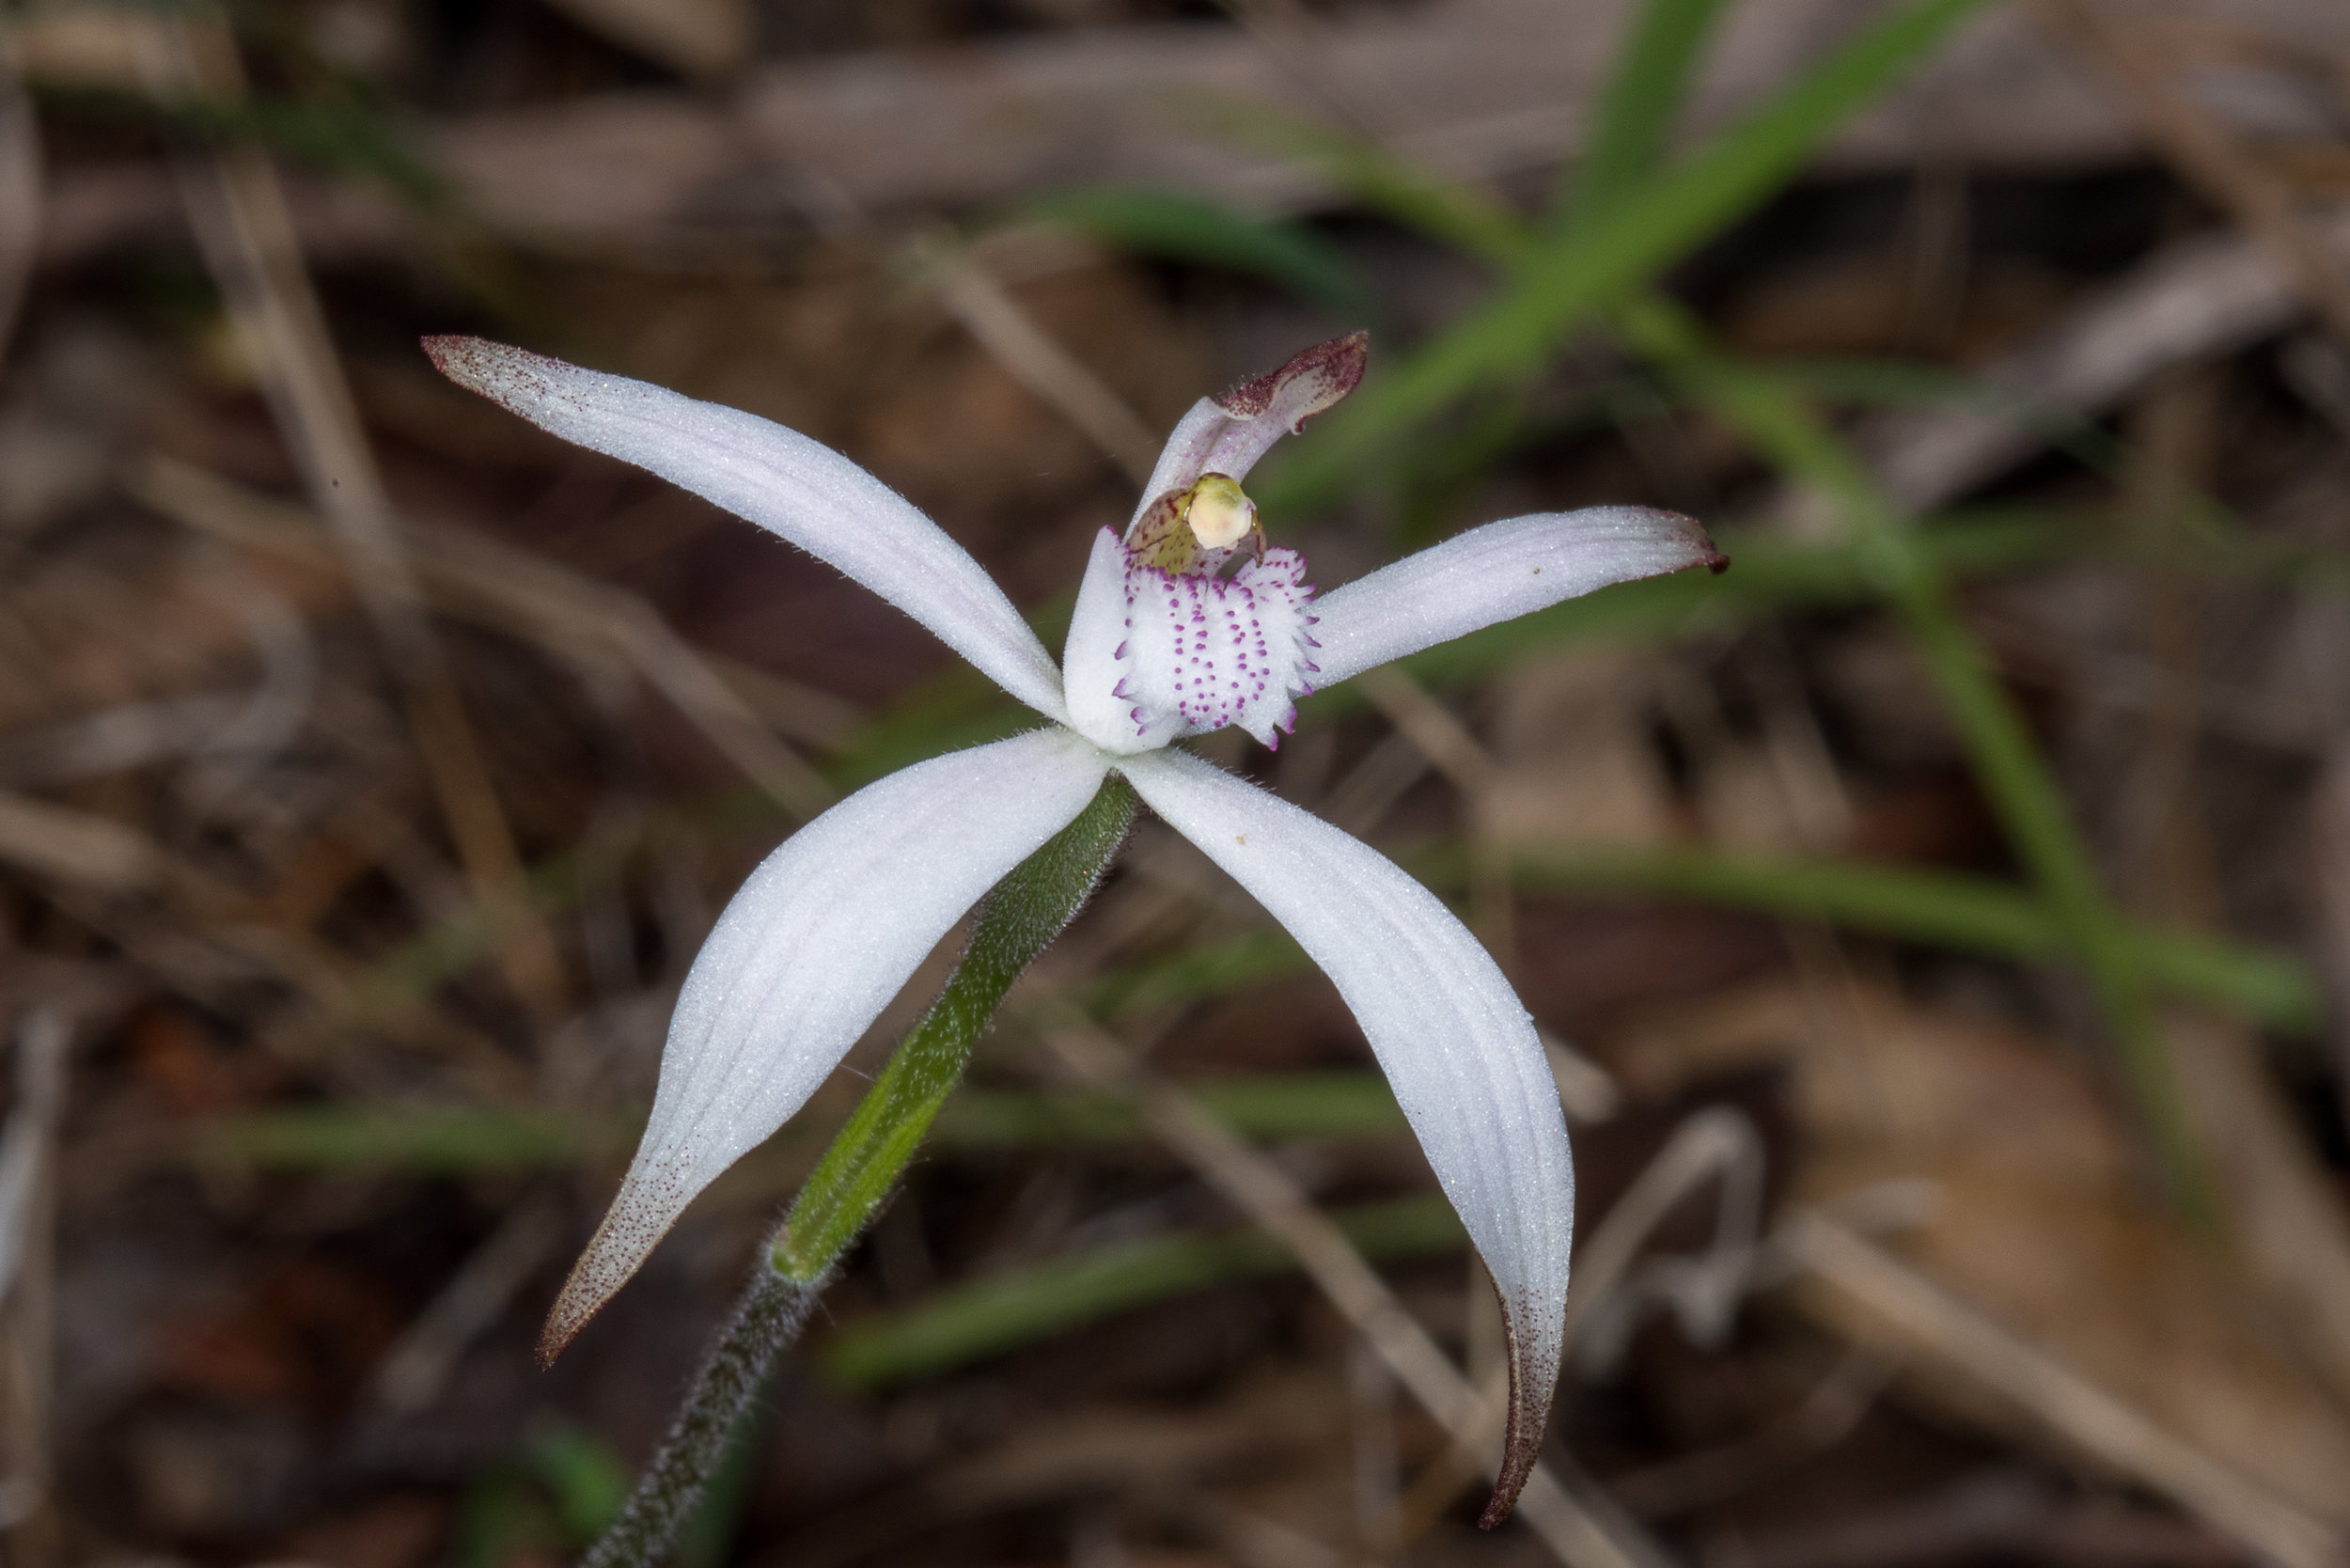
2194, 298
2287, 1220
2209, 157
1718, 1144
972, 294
417, 1367
237, 210
1576, 1524
77, 848
593, 625
1939, 1327
21, 186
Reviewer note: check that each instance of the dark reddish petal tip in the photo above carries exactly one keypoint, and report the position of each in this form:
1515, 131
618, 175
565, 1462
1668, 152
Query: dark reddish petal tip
446, 350
1520, 1448
583, 1295
1331, 370
1533, 1383
1713, 560
554, 1338
513, 377
613, 1254
574, 1311
1705, 555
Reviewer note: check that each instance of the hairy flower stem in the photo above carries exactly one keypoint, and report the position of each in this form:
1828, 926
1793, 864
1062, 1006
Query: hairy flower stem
769, 1317
1016, 922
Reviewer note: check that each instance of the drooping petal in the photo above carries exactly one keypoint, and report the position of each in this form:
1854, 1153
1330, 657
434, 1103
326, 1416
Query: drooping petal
819, 940
1498, 572
781, 480
1227, 434
1449, 1032
1153, 655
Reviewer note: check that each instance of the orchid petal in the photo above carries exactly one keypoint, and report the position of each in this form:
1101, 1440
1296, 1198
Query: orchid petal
1092, 661
1498, 572
1450, 1035
822, 937
1227, 434
782, 480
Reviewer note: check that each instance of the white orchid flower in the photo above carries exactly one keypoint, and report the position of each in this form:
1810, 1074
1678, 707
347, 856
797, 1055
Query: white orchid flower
1165, 644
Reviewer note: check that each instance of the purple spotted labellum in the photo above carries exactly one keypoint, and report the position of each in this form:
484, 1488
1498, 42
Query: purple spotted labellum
1185, 624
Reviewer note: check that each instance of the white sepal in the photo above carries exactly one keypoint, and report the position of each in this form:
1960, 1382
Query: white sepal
781, 480
1495, 573
1455, 1044
815, 944
1093, 660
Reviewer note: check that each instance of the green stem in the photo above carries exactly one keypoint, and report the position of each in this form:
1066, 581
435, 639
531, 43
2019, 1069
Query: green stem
1017, 920
768, 1318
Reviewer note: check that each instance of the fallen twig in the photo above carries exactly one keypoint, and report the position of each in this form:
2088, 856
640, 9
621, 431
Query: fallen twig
2194, 298
582, 621
2209, 156
20, 184
246, 233
1566, 1510
1939, 1325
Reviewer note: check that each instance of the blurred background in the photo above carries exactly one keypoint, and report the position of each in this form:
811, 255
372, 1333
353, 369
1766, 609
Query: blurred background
1941, 921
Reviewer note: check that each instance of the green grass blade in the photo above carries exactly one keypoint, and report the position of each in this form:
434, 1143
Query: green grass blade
359, 1139
1338, 1104
586, 1479
1439, 207
1783, 425
1564, 284
986, 1317
1636, 110
1945, 909
1178, 226
355, 1138
341, 134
